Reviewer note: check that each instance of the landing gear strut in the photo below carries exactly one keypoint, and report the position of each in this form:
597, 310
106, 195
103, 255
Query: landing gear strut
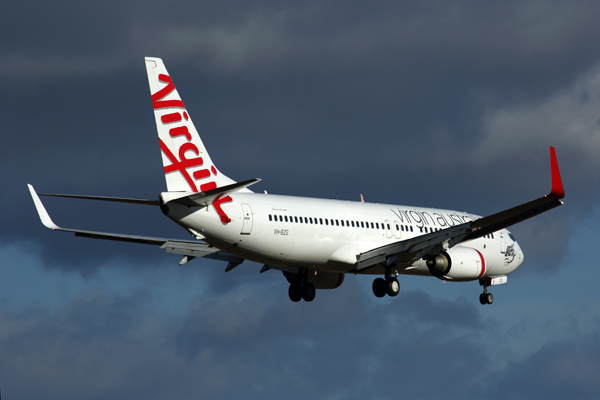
389, 286
485, 297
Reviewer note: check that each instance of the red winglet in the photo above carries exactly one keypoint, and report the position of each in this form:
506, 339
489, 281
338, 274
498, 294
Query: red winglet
558, 192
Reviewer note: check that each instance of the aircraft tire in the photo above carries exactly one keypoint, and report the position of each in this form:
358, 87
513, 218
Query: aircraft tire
295, 292
489, 298
308, 291
482, 299
379, 287
392, 287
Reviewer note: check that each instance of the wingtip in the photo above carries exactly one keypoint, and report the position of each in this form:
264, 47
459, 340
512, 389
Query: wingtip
558, 191
39, 206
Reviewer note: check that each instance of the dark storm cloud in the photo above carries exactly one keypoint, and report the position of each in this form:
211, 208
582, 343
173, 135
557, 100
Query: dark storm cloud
560, 369
333, 94
101, 345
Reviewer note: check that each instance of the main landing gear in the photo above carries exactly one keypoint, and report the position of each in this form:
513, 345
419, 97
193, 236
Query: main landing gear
485, 297
300, 287
389, 286
302, 290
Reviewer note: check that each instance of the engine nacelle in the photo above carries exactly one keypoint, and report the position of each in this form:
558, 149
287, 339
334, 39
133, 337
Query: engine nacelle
321, 280
326, 280
459, 263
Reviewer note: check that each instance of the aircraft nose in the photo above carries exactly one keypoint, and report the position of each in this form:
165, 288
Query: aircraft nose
520, 255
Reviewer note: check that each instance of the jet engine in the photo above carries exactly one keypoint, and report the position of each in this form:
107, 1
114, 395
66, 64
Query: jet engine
458, 263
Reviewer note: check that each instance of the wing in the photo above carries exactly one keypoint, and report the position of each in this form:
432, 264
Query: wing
431, 244
186, 248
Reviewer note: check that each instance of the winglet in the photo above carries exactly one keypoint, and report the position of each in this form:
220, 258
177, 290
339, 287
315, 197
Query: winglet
46, 220
558, 192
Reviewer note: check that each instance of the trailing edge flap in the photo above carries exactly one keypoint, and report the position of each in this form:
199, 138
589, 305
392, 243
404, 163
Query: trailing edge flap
405, 252
204, 199
184, 247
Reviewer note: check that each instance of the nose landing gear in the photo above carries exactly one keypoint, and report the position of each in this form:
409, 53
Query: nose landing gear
485, 297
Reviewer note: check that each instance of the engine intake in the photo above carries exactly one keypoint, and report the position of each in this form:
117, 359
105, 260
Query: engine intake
439, 265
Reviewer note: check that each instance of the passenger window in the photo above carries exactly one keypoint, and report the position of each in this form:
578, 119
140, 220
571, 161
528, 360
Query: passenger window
286, 218
397, 228
362, 224
270, 218
337, 223
353, 224
321, 221
280, 218
411, 228
326, 221
311, 220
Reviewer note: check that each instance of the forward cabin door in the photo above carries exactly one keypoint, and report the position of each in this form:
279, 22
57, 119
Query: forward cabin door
246, 219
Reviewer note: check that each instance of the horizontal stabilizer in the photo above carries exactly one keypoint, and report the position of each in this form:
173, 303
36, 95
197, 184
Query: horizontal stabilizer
204, 199
105, 198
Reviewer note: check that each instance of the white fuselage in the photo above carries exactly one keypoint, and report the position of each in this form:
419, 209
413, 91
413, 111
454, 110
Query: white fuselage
327, 235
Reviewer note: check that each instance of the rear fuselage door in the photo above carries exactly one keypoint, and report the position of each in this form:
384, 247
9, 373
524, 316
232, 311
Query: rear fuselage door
246, 219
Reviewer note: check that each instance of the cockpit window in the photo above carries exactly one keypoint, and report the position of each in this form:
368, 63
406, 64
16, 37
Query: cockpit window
511, 237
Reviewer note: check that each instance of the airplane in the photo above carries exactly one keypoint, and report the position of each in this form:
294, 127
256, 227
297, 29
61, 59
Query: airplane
313, 242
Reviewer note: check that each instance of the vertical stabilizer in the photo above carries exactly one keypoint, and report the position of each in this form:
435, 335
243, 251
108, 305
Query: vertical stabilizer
187, 165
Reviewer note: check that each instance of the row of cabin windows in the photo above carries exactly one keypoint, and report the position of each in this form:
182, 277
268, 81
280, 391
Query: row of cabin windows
337, 222
357, 224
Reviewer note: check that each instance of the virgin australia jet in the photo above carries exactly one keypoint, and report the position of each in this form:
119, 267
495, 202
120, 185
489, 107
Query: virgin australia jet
314, 242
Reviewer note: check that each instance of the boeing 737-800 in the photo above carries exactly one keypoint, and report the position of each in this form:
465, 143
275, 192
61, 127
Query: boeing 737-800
314, 242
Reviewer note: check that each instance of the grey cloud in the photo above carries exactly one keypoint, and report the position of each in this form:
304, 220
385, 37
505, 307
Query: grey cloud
558, 370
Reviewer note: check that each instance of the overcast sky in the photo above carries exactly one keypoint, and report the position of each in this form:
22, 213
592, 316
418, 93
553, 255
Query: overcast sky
431, 103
